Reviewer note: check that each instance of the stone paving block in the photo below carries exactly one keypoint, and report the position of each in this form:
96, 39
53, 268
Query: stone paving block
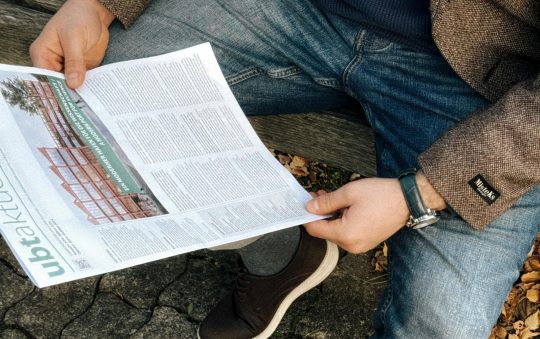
12, 333
13, 288
347, 302
166, 322
108, 317
7, 256
207, 280
142, 284
45, 312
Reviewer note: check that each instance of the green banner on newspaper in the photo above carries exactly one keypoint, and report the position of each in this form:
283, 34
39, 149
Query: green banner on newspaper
93, 138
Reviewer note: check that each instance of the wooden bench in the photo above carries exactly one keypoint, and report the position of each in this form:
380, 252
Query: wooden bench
338, 139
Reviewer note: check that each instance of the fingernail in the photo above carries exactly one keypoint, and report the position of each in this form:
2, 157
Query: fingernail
313, 205
72, 78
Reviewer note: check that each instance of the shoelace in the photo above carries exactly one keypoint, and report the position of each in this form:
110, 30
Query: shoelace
242, 286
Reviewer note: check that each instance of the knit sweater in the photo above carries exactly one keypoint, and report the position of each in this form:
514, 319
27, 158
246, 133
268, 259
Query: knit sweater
405, 21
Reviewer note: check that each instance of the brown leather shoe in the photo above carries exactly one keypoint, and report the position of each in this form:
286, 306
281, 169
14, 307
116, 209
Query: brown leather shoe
258, 303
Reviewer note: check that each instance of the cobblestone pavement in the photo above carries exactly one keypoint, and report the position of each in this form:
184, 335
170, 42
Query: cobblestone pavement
169, 298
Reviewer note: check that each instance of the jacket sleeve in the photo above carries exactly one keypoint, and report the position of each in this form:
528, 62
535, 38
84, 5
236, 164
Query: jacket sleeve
126, 11
485, 163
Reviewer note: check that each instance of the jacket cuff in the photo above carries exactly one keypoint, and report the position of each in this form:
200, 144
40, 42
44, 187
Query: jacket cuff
125, 11
485, 163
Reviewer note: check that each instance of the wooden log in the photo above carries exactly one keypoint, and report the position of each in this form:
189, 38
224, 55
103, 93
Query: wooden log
49, 5
19, 26
332, 138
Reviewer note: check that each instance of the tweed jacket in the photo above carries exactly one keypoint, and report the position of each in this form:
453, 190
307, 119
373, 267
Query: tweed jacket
486, 162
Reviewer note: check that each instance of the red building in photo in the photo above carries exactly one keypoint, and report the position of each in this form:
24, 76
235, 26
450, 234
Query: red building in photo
81, 173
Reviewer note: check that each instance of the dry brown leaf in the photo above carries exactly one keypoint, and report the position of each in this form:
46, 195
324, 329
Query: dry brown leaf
531, 277
284, 159
299, 172
527, 267
533, 321
313, 175
513, 336
533, 295
518, 325
385, 250
535, 263
528, 334
525, 308
499, 332
527, 286
298, 166
298, 161
355, 176
510, 306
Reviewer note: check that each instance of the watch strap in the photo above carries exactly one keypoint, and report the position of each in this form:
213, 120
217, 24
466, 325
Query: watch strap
407, 180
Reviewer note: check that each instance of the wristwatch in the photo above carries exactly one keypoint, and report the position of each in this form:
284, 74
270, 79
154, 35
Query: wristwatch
420, 216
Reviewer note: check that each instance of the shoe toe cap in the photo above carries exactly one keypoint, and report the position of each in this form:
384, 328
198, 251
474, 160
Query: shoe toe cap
223, 323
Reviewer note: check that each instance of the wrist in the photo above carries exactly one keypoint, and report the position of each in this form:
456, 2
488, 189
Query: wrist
432, 199
105, 15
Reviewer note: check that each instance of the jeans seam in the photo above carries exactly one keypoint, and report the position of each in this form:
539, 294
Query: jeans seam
329, 82
284, 72
356, 60
386, 305
243, 75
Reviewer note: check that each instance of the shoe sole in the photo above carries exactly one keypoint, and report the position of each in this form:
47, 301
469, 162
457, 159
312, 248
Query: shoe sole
328, 264
326, 267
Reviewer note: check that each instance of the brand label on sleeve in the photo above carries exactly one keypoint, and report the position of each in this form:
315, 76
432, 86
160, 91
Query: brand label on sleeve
484, 189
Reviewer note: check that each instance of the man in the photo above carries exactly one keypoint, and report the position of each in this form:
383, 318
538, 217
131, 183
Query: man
451, 87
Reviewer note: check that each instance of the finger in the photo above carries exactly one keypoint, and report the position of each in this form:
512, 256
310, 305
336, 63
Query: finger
324, 229
329, 202
74, 65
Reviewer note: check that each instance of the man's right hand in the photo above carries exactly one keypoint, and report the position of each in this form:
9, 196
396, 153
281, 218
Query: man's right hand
74, 40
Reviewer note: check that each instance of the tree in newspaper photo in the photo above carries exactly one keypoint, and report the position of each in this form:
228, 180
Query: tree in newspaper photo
79, 155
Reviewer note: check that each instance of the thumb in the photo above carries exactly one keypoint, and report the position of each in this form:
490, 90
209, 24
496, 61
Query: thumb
74, 65
329, 202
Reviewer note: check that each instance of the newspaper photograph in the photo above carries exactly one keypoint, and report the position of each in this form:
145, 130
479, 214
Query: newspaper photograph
148, 159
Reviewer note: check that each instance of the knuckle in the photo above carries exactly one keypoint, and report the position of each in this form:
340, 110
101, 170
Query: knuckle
33, 49
324, 201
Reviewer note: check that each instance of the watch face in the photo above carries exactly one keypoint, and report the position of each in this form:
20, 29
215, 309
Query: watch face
425, 220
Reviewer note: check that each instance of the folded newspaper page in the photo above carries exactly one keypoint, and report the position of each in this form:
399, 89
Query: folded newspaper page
150, 158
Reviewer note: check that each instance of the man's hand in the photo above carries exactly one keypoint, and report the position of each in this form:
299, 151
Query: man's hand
74, 40
372, 210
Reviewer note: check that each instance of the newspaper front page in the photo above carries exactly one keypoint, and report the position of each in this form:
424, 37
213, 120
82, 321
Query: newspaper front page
150, 158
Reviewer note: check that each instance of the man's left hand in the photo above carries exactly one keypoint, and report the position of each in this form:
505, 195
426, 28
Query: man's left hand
372, 210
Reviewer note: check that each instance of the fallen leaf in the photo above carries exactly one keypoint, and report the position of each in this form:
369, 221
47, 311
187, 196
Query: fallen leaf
528, 334
533, 321
298, 161
534, 263
518, 325
499, 332
284, 159
533, 295
313, 175
531, 277
355, 176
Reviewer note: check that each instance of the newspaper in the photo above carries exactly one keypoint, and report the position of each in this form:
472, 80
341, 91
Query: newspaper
149, 159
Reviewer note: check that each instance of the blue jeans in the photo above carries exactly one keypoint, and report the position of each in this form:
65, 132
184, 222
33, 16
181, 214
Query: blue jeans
447, 280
